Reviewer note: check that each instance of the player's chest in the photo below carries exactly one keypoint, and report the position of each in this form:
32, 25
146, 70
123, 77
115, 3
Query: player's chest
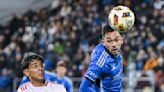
114, 69
40, 89
61, 81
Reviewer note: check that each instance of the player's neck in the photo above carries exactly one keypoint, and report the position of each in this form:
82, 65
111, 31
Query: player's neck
38, 83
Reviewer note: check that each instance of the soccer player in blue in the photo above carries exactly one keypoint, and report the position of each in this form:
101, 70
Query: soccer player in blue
104, 72
58, 77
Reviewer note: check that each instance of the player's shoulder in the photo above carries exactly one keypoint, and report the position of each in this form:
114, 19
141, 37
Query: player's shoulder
51, 76
57, 87
23, 87
55, 84
100, 56
67, 79
24, 77
48, 73
99, 51
100, 47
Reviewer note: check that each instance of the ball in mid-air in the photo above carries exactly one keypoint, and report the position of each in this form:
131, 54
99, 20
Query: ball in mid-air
121, 18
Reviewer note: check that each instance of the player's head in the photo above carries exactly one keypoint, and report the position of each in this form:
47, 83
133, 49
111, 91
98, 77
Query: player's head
32, 65
61, 68
112, 40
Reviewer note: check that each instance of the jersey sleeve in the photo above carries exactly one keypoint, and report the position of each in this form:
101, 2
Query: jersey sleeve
96, 67
69, 85
86, 86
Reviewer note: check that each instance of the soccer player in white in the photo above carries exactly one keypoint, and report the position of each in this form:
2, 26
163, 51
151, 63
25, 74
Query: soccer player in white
33, 68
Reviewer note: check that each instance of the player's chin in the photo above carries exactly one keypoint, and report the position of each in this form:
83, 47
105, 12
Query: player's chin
41, 79
115, 52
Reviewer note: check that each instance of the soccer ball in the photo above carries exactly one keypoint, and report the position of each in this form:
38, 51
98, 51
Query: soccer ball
121, 18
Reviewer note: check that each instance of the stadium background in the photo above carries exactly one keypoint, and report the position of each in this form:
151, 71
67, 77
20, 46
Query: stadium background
69, 30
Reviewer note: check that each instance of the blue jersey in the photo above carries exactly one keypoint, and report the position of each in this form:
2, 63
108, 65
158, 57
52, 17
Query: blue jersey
105, 70
49, 76
66, 82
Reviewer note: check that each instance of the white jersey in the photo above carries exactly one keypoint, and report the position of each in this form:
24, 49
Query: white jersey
48, 87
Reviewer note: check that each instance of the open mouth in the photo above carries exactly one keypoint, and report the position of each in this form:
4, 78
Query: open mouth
115, 49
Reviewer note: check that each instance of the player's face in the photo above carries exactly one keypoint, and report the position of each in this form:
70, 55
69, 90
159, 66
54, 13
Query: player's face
61, 70
35, 71
113, 41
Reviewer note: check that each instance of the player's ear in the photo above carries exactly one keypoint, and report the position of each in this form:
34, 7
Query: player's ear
102, 40
26, 72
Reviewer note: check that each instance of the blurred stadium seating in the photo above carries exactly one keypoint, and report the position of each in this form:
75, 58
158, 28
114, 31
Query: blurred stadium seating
69, 30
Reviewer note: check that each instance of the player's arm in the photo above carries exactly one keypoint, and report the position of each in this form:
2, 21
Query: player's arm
69, 86
86, 86
92, 74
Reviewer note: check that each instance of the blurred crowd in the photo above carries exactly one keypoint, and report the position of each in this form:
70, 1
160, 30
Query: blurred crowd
68, 30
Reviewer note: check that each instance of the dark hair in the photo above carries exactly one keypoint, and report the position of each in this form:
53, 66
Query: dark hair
106, 29
28, 57
61, 64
